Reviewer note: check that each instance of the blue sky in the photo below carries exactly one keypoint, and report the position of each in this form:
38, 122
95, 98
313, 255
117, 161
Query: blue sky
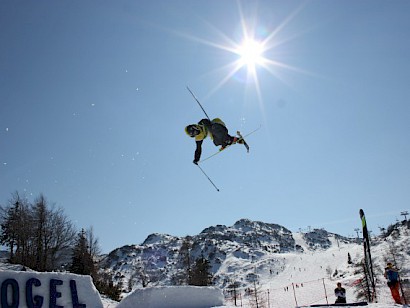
94, 104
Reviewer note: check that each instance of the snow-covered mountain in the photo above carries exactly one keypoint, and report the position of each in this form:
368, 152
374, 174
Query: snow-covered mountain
246, 248
285, 269
252, 252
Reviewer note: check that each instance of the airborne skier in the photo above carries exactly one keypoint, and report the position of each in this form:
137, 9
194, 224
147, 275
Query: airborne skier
216, 130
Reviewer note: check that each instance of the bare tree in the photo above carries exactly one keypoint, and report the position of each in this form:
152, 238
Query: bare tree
145, 275
329, 271
256, 297
38, 236
61, 238
233, 291
142, 276
93, 243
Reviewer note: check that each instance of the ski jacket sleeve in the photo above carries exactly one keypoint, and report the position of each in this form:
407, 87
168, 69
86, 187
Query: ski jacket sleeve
206, 123
198, 151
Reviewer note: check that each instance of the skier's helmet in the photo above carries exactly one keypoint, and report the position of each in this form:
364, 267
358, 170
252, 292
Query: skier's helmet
192, 130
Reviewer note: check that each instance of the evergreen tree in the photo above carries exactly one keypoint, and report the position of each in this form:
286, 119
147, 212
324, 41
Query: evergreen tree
40, 215
15, 229
9, 228
183, 274
200, 273
82, 261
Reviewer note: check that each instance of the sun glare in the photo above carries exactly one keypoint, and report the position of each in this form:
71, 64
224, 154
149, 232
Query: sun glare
251, 53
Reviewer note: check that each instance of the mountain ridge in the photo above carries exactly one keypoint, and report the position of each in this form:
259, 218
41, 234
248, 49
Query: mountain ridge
160, 257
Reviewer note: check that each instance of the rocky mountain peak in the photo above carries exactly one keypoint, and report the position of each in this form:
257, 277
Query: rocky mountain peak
162, 256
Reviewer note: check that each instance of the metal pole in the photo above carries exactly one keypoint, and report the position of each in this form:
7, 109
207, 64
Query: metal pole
268, 299
324, 287
208, 178
198, 102
294, 294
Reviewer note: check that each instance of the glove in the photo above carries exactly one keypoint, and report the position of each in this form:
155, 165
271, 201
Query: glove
195, 162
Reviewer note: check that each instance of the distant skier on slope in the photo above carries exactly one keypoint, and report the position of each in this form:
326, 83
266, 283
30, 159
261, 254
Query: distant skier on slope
392, 275
216, 130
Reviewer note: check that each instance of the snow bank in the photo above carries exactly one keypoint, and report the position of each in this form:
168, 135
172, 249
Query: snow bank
173, 297
33, 289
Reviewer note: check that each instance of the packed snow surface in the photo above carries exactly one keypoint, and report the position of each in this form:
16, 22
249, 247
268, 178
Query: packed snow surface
174, 297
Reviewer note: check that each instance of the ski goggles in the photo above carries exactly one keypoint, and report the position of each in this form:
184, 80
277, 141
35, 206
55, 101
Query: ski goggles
193, 130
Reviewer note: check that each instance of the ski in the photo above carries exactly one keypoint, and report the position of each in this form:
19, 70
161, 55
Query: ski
240, 137
368, 260
241, 140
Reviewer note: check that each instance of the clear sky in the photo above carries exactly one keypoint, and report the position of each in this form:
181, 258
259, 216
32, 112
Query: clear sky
93, 105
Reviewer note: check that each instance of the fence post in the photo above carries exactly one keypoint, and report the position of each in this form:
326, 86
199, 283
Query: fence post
324, 287
294, 294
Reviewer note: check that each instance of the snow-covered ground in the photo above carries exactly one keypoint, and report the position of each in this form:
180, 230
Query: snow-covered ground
308, 277
301, 273
174, 297
187, 297
284, 280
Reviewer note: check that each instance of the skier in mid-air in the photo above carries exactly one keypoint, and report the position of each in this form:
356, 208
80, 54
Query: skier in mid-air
216, 130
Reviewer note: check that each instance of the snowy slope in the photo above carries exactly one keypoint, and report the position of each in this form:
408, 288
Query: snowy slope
287, 269
189, 297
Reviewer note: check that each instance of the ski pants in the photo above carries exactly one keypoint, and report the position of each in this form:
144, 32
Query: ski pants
340, 300
395, 293
220, 134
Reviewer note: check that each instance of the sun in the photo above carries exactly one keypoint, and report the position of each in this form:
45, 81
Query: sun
255, 48
250, 53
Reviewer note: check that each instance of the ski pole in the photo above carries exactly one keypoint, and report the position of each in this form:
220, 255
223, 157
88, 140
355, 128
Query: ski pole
198, 102
208, 178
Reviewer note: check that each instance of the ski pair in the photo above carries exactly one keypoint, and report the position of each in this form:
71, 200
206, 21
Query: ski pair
239, 140
241, 137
